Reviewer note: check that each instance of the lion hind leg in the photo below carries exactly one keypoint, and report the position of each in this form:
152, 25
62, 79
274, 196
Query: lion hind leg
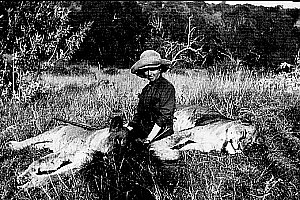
35, 168
40, 171
44, 140
43, 179
37, 181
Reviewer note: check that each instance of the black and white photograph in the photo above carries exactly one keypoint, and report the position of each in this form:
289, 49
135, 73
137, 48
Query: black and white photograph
149, 100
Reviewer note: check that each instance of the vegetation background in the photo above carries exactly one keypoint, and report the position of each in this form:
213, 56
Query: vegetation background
71, 59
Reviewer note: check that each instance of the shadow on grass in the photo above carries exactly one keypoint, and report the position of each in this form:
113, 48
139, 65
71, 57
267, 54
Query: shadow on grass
135, 174
123, 174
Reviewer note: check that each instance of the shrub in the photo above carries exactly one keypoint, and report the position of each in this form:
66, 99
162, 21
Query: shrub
39, 35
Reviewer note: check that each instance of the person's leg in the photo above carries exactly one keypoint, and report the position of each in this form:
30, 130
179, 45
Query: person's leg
137, 132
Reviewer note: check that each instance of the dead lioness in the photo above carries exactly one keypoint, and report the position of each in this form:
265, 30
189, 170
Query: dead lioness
229, 136
203, 129
72, 147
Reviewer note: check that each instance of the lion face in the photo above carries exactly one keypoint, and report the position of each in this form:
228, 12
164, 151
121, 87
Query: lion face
240, 136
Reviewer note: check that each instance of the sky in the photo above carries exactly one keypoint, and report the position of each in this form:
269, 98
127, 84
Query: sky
285, 4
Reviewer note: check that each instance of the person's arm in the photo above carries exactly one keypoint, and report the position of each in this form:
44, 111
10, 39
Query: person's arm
167, 106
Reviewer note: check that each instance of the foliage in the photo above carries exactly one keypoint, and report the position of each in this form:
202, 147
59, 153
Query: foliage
222, 32
260, 30
39, 35
213, 33
40, 31
118, 33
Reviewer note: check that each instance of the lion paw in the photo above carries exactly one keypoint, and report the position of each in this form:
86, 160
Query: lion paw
13, 145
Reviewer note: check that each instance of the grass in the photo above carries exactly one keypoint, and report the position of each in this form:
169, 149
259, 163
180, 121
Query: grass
269, 171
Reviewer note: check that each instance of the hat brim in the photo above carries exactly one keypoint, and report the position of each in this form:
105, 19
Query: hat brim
145, 64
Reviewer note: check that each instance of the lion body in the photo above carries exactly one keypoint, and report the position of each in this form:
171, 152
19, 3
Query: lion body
195, 128
71, 146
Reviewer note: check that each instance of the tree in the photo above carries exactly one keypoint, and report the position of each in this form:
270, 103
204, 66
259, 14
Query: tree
118, 34
262, 37
39, 35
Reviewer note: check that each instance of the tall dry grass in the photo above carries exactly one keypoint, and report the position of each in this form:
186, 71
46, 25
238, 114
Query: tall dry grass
264, 172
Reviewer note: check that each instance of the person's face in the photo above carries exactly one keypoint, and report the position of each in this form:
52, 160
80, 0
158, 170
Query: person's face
152, 74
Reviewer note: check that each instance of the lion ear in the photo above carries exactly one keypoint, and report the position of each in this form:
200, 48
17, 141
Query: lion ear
116, 124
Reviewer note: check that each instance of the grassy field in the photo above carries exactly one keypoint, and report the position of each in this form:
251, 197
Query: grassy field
267, 171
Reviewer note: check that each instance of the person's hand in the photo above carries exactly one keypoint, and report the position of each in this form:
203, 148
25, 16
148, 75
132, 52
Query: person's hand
139, 140
144, 142
147, 141
128, 127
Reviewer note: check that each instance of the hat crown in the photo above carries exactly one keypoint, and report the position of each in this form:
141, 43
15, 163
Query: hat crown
150, 54
150, 59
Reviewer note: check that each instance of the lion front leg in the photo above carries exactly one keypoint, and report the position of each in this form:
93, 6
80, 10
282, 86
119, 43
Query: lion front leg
163, 149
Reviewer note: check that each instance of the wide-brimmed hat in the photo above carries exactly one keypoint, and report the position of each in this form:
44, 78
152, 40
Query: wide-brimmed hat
150, 59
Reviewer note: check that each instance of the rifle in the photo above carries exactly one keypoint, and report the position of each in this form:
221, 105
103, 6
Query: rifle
85, 126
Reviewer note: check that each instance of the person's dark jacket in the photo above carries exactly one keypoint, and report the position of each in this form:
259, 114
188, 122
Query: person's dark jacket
156, 105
